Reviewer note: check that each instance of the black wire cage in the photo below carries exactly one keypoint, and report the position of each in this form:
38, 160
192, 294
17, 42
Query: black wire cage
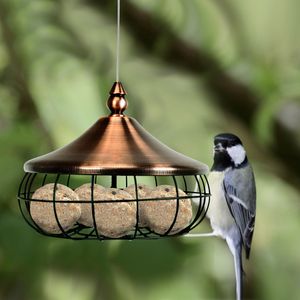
116, 181
173, 215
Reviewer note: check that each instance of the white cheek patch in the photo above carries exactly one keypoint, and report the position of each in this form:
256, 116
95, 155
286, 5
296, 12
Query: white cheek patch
237, 154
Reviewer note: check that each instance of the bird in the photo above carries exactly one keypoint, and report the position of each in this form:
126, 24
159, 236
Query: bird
232, 207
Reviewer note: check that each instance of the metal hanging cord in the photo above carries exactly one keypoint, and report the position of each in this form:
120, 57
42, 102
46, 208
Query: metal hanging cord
118, 41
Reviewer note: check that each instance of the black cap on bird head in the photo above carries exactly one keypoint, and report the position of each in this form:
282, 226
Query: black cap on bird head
228, 152
227, 140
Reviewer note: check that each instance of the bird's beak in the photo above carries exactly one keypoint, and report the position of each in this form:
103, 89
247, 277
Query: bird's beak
218, 148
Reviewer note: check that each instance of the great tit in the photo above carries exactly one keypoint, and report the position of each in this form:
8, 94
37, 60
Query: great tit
232, 206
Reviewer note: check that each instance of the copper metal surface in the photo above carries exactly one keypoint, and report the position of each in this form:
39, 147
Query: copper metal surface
117, 102
116, 145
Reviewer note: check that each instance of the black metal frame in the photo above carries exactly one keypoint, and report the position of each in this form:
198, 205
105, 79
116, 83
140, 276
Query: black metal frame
195, 186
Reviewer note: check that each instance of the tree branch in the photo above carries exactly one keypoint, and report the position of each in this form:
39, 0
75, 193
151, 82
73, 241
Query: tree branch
154, 35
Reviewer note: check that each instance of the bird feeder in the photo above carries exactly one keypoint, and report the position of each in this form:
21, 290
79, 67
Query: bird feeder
116, 181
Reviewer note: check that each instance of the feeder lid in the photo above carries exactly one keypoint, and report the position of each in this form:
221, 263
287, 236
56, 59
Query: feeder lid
116, 145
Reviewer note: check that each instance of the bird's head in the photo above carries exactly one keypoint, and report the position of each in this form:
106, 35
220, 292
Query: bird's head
228, 151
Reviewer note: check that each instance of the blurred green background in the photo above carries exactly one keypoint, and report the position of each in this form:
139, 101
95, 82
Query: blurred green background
192, 69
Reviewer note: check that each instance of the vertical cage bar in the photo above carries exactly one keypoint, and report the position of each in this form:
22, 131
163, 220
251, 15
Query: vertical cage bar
185, 184
199, 204
21, 184
54, 208
20, 192
114, 181
68, 180
44, 180
137, 206
199, 217
207, 193
93, 207
29, 192
28, 203
177, 207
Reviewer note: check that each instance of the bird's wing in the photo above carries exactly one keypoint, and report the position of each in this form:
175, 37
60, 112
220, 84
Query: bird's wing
240, 194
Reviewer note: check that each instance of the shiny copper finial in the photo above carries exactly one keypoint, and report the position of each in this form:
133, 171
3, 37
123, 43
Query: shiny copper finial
116, 101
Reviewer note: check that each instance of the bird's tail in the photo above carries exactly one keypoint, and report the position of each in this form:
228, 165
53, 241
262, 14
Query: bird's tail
236, 250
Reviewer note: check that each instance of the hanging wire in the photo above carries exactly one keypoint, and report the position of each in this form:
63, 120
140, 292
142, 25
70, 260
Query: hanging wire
118, 41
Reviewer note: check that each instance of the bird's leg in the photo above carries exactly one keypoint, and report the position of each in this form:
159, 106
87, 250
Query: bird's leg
198, 235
